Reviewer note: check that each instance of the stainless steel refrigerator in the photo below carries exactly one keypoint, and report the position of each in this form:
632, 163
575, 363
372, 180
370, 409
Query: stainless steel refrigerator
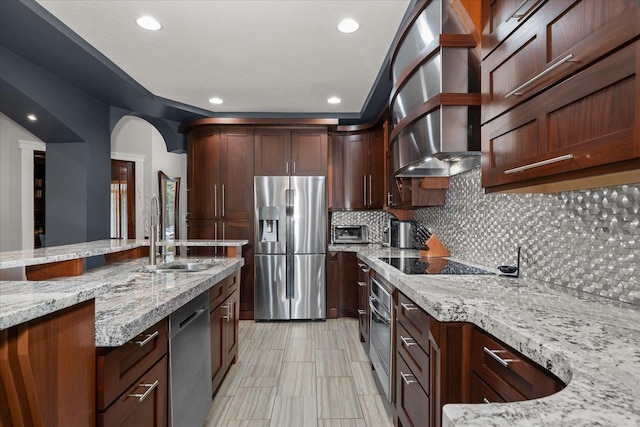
291, 233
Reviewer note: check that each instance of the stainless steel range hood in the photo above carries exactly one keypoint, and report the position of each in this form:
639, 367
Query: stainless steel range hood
435, 116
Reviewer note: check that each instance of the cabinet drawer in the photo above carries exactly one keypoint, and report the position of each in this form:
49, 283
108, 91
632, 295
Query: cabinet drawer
414, 356
560, 38
142, 404
481, 392
412, 403
222, 290
587, 121
414, 320
503, 17
507, 371
118, 368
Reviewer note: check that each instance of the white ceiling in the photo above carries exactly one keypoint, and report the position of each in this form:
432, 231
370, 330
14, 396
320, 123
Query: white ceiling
258, 56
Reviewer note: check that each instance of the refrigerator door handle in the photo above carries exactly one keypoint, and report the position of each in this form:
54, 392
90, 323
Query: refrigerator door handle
289, 201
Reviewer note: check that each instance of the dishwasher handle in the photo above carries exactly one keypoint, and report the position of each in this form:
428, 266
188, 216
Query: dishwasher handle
186, 322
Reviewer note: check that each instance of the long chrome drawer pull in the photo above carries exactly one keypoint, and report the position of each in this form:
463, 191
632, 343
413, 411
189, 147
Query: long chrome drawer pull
148, 339
534, 79
362, 264
408, 307
540, 163
386, 320
404, 377
362, 312
500, 360
485, 400
406, 341
515, 12
226, 309
150, 388
364, 189
362, 284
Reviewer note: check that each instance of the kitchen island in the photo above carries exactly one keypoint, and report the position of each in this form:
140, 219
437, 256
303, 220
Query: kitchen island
590, 343
116, 303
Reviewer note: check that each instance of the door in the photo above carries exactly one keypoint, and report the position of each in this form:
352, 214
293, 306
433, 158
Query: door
356, 170
123, 200
376, 170
309, 152
270, 214
309, 215
271, 301
236, 164
308, 290
272, 152
203, 175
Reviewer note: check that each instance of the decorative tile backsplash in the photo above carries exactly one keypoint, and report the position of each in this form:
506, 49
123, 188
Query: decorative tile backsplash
587, 241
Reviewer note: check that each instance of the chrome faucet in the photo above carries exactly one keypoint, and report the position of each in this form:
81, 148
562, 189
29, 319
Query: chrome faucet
153, 229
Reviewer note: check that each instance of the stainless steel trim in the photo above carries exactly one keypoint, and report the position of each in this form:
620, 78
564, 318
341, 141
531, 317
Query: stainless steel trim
151, 387
515, 12
500, 360
370, 202
215, 200
148, 339
294, 168
406, 342
362, 284
404, 377
537, 77
286, 167
408, 307
485, 400
540, 163
364, 188
386, 320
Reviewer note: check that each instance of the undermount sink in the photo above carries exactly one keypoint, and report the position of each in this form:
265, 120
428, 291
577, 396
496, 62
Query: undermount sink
186, 268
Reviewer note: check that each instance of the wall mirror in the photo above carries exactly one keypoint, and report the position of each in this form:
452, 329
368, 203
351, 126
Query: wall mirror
169, 189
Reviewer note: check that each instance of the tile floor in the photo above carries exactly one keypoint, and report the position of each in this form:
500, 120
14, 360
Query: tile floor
300, 375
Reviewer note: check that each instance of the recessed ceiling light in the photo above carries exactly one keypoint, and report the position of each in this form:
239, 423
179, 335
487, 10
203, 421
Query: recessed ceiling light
348, 26
32, 117
216, 100
334, 100
148, 23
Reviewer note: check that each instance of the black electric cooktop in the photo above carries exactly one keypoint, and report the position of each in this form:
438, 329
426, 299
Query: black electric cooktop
434, 265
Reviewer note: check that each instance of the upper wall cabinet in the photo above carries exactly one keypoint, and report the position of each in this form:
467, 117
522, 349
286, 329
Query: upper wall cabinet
559, 90
301, 152
357, 165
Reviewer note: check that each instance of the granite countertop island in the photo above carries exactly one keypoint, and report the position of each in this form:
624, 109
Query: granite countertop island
590, 343
130, 296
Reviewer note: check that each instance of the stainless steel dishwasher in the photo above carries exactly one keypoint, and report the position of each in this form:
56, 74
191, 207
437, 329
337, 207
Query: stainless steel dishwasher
190, 363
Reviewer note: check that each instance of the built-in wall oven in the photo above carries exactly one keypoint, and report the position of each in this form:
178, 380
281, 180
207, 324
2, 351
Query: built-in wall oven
381, 333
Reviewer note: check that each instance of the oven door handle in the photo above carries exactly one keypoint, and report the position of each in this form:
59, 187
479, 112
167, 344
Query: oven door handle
377, 312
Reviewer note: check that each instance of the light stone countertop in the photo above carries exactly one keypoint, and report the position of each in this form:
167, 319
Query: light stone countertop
590, 343
23, 258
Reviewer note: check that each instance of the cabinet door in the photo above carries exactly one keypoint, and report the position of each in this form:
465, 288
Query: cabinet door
236, 165
272, 150
333, 284
243, 230
376, 170
349, 289
356, 170
586, 121
143, 404
309, 152
412, 402
206, 230
230, 338
501, 18
203, 158
336, 174
217, 324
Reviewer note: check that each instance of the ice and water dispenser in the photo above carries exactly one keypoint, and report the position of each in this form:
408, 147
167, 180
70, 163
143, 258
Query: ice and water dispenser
268, 223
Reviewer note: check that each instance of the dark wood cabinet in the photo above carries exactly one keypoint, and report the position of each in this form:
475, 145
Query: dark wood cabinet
224, 321
132, 382
48, 370
558, 91
357, 163
364, 291
281, 151
342, 289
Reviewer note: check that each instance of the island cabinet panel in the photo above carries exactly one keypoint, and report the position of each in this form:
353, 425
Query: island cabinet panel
142, 404
364, 292
506, 372
282, 151
224, 322
48, 370
559, 91
132, 380
342, 290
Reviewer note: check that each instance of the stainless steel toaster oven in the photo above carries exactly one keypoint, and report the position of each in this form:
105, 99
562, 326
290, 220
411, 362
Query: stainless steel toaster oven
349, 234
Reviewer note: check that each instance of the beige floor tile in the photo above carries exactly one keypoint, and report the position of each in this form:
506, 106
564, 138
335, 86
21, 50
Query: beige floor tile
328, 339
252, 403
345, 422
246, 349
246, 423
377, 411
350, 328
265, 363
218, 411
301, 331
297, 379
363, 378
274, 340
259, 382
233, 379
332, 363
337, 398
356, 351
246, 329
299, 350
294, 411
